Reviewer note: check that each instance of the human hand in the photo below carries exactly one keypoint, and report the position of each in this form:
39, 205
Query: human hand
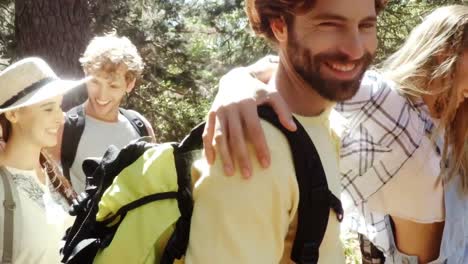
233, 119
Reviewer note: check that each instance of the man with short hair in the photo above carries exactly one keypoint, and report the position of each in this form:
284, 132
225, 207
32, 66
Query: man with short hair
115, 65
325, 47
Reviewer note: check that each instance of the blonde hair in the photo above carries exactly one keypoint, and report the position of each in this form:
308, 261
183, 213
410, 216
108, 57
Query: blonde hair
109, 52
428, 57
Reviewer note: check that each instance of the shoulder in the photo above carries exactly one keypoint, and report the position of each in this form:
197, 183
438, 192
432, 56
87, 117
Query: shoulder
281, 158
280, 151
270, 193
223, 206
380, 99
279, 177
372, 85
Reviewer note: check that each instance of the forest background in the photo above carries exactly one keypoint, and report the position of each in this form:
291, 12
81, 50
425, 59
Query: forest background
187, 45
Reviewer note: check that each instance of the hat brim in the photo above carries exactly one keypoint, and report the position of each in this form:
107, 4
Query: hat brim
49, 90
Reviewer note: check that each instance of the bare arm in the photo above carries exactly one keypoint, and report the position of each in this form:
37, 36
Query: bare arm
264, 68
233, 116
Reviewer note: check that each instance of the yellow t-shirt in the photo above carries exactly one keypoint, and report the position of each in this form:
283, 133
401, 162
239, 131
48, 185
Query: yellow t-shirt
254, 221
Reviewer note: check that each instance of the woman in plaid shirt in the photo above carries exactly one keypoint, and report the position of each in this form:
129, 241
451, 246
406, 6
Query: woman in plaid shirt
403, 123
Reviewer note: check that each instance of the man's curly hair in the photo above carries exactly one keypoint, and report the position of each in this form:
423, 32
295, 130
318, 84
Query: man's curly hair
110, 51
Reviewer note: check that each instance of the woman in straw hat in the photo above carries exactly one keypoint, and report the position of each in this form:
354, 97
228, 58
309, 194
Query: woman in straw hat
35, 198
411, 121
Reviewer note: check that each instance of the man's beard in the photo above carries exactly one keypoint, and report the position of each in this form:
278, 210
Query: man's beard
307, 66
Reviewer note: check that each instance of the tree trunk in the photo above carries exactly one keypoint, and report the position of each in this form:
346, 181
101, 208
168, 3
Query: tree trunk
58, 31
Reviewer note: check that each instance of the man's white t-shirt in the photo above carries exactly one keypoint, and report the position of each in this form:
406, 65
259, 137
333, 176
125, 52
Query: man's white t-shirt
96, 138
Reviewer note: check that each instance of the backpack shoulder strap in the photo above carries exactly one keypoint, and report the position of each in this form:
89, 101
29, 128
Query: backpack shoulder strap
9, 206
315, 197
136, 121
72, 130
183, 157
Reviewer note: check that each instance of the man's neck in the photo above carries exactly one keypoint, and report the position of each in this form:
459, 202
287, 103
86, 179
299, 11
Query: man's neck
299, 96
90, 111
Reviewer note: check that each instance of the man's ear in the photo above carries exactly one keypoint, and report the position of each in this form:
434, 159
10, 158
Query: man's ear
130, 85
279, 29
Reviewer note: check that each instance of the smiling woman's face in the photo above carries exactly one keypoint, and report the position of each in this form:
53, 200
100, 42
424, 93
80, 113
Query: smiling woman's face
39, 123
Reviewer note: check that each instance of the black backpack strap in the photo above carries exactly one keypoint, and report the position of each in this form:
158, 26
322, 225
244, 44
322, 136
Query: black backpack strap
183, 155
136, 121
72, 130
315, 197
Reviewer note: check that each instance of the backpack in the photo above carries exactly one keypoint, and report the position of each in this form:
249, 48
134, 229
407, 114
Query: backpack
73, 129
154, 182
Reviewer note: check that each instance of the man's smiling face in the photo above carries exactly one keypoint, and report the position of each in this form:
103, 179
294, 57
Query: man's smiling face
332, 45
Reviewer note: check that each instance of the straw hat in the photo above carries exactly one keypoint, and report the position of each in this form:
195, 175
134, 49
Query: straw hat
31, 81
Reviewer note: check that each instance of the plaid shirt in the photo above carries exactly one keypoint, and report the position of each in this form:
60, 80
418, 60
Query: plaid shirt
383, 130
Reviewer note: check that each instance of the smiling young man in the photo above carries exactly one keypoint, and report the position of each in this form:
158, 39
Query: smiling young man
325, 47
115, 65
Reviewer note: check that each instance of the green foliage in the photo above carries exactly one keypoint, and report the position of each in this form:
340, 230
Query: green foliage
175, 88
351, 247
7, 31
225, 30
187, 45
399, 18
